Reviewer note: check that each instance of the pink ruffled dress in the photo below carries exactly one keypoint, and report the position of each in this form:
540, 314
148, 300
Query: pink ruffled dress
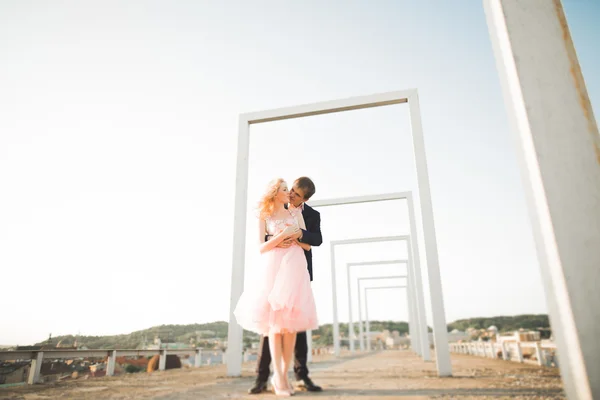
281, 300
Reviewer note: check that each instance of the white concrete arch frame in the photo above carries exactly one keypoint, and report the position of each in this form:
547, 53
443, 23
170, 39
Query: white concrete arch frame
413, 271
409, 97
414, 338
367, 309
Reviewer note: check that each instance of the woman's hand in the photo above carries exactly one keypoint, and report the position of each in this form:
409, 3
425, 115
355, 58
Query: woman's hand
285, 243
290, 230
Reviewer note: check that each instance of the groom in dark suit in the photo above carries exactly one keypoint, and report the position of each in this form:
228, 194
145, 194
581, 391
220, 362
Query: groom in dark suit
302, 190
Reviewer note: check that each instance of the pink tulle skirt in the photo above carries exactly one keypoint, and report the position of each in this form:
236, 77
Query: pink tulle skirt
281, 300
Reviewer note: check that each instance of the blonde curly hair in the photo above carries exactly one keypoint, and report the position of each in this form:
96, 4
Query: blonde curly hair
266, 205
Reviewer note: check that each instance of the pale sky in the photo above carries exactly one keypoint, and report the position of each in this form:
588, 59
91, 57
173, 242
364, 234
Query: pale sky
118, 130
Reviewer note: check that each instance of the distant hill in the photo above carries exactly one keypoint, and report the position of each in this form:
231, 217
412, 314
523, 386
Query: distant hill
167, 333
323, 336
503, 323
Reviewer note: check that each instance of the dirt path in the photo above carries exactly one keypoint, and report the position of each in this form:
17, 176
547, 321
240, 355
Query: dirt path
384, 375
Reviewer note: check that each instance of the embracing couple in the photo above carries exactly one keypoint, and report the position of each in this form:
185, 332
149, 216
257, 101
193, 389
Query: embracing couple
280, 306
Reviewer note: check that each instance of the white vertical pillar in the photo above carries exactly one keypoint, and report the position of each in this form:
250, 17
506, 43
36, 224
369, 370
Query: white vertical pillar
198, 358
35, 369
412, 319
493, 350
360, 321
350, 324
538, 353
235, 331
520, 353
440, 330
367, 320
162, 360
504, 351
111, 362
559, 154
414, 264
336, 326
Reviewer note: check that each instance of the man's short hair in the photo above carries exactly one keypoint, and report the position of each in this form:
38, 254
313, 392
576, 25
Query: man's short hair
307, 186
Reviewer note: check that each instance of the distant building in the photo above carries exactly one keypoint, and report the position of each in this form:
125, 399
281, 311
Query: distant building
519, 336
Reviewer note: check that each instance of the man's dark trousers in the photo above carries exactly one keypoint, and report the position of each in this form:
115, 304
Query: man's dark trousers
300, 355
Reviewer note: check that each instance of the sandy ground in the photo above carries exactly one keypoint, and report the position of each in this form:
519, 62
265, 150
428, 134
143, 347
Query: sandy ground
383, 375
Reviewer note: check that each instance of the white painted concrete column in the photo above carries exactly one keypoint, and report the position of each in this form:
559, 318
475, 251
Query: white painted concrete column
235, 331
111, 362
162, 361
414, 264
336, 327
538, 353
493, 350
440, 330
35, 369
360, 321
504, 351
350, 322
559, 155
412, 318
519, 352
368, 339
198, 358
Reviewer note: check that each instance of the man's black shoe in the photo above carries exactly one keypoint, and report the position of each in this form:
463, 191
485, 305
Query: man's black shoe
258, 387
309, 385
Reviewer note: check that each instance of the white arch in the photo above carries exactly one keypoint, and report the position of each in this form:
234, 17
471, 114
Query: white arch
419, 304
419, 297
414, 339
414, 316
411, 98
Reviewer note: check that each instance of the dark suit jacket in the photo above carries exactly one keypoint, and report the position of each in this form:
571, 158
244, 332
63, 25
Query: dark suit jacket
312, 234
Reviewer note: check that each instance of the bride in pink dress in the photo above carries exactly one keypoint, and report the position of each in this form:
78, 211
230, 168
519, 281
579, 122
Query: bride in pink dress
281, 302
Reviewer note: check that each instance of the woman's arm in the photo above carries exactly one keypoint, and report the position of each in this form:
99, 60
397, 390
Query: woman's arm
265, 245
302, 226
